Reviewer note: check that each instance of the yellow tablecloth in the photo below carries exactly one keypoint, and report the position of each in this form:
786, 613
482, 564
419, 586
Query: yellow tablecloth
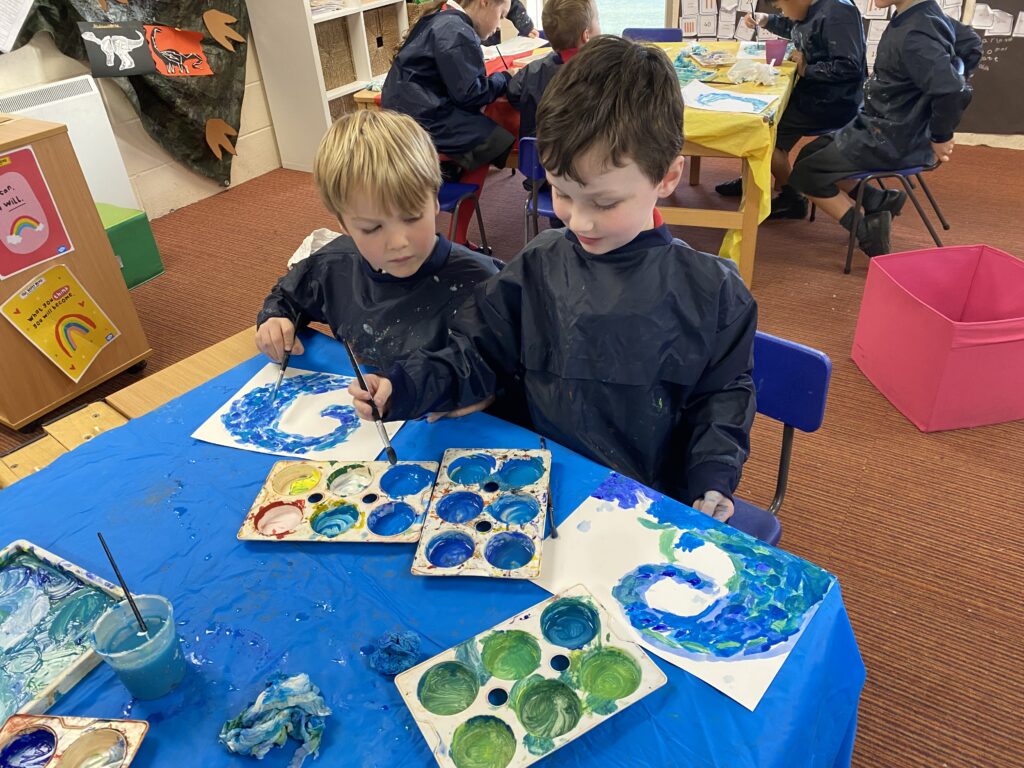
747, 136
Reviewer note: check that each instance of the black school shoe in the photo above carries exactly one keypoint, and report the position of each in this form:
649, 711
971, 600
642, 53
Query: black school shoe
874, 233
789, 204
732, 188
893, 202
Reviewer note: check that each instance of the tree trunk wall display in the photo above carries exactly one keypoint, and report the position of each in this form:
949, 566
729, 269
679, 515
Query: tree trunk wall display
192, 117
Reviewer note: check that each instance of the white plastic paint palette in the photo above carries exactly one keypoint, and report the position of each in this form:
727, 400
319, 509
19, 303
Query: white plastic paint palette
49, 607
487, 515
532, 684
369, 501
41, 741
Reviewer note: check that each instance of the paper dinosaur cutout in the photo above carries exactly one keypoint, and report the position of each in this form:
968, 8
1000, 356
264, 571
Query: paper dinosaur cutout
117, 45
217, 24
217, 133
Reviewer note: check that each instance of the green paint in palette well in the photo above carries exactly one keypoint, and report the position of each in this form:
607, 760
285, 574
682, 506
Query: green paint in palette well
447, 688
546, 708
510, 654
483, 742
609, 674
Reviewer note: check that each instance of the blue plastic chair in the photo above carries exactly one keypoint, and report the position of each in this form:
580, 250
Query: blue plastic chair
539, 203
654, 35
451, 196
792, 384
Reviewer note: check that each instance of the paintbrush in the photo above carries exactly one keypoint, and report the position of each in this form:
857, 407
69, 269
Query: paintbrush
551, 503
498, 51
124, 587
392, 457
284, 362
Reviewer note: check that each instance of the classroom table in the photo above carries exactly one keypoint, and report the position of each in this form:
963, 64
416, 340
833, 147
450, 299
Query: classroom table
170, 506
748, 138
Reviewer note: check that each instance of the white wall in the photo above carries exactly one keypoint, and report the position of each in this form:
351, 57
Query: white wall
161, 184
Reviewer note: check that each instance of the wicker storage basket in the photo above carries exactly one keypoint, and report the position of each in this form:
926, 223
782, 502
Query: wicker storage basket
335, 53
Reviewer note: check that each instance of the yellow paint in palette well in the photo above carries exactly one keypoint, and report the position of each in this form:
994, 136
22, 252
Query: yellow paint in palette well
296, 479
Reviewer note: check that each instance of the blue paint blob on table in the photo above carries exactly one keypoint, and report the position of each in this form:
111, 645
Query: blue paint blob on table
29, 749
472, 469
514, 509
395, 652
509, 551
450, 549
460, 507
335, 521
405, 480
391, 519
254, 419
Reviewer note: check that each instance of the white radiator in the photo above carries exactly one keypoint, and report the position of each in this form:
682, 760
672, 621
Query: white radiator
77, 103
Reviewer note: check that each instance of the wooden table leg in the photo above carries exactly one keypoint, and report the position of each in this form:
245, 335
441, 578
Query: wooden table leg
694, 170
749, 207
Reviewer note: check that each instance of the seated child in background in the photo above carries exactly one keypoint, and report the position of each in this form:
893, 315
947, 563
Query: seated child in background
633, 349
438, 78
568, 24
828, 37
520, 20
912, 104
389, 284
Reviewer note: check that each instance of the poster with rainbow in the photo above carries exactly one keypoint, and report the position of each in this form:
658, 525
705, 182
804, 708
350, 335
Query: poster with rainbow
31, 229
60, 318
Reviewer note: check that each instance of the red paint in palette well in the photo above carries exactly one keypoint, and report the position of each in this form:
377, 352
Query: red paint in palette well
279, 518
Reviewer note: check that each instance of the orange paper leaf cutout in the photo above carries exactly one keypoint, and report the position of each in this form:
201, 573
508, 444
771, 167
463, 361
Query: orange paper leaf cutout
217, 23
217, 133
104, 4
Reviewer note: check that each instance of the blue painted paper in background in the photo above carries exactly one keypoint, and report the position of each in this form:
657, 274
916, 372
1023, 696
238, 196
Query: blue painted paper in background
170, 506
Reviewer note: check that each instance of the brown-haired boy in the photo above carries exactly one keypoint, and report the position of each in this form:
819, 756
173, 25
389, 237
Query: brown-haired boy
567, 24
633, 349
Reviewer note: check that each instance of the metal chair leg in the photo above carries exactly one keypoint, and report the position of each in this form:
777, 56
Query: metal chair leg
480, 223
814, 210
920, 211
858, 206
931, 199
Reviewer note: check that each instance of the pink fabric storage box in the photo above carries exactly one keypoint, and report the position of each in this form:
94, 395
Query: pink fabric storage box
941, 334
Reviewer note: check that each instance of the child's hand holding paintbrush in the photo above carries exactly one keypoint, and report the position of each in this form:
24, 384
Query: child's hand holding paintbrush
277, 336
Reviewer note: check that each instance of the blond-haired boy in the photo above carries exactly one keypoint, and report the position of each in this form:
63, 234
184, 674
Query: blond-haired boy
389, 284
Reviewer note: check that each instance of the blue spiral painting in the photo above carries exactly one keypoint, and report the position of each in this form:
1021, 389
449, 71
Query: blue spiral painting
255, 419
754, 613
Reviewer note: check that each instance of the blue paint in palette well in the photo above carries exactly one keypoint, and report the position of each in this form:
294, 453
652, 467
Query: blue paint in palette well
405, 480
29, 749
509, 551
473, 469
570, 623
516, 473
334, 521
391, 519
255, 419
459, 507
514, 509
449, 549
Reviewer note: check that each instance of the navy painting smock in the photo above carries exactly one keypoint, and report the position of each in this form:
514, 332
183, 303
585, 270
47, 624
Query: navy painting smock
438, 78
639, 359
831, 38
382, 316
915, 95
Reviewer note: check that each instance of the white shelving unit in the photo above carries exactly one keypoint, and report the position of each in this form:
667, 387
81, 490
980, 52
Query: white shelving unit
311, 63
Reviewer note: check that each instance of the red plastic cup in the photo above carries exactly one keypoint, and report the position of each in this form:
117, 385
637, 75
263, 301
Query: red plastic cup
775, 51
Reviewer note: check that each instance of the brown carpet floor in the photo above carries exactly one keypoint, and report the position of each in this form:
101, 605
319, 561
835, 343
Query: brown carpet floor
925, 532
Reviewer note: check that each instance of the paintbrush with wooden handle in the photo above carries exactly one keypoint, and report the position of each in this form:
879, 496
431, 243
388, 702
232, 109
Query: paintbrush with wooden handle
392, 456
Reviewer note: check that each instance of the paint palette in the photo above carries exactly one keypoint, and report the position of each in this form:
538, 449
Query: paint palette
487, 515
48, 607
40, 741
532, 684
369, 501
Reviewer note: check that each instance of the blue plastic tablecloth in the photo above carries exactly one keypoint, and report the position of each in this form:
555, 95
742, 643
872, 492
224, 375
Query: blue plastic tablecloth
170, 506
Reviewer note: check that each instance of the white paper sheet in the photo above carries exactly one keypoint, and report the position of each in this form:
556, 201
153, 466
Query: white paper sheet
668, 576
690, 7
513, 47
750, 50
709, 7
983, 17
875, 29
688, 24
1002, 24
707, 26
700, 96
743, 32
1018, 28
311, 417
726, 24
12, 18
874, 12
